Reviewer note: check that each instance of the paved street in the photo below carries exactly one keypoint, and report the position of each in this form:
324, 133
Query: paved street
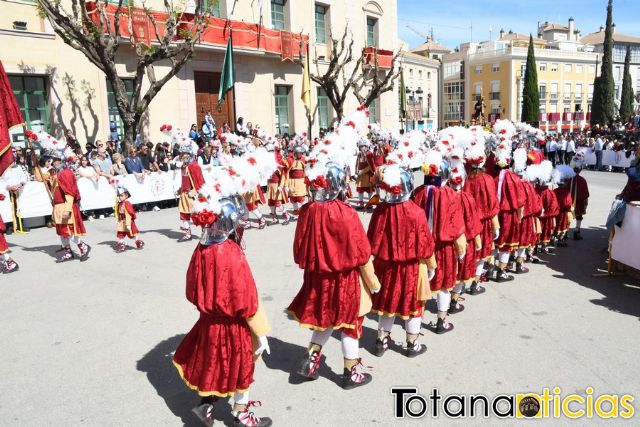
91, 343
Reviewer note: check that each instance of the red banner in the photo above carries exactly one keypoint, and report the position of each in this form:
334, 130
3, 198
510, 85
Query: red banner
384, 57
286, 39
544, 117
567, 117
140, 24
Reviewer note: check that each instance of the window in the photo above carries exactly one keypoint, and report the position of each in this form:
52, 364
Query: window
495, 91
372, 36
32, 97
619, 53
543, 91
543, 108
282, 109
554, 67
495, 68
278, 17
617, 92
478, 69
214, 7
410, 73
373, 110
429, 74
323, 109
554, 91
617, 75
543, 66
592, 69
568, 68
590, 93
321, 23
477, 91
112, 108
578, 94
420, 74
454, 91
553, 108
454, 111
567, 90
567, 108
451, 69
579, 69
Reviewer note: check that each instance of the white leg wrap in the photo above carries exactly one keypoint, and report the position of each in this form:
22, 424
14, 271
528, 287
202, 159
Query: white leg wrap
479, 268
186, 225
349, 347
256, 214
5, 257
64, 241
503, 257
321, 337
521, 252
241, 398
444, 300
76, 240
458, 287
385, 323
412, 325
296, 205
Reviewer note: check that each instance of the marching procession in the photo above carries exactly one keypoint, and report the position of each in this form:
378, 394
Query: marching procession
489, 204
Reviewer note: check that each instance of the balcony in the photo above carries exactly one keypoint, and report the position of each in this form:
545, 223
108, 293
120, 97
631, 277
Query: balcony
494, 96
554, 96
452, 116
543, 96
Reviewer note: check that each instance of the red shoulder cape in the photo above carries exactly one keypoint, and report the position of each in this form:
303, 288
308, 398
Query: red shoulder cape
399, 232
330, 238
533, 205
564, 198
472, 223
549, 202
448, 223
483, 189
196, 175
580, 189
220, 283
512, 192
68, 184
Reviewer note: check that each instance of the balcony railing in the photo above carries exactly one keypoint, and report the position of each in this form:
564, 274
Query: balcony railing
453, 116
554, 96
494, 95
543, 96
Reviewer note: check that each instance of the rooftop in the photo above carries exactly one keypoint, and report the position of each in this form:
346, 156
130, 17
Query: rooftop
431, 46
598, 38
555, 27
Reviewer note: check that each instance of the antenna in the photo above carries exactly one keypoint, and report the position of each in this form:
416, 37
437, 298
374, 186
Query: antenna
490, 33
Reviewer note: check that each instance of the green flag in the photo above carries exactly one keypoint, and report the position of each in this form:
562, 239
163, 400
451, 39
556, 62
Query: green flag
227, 79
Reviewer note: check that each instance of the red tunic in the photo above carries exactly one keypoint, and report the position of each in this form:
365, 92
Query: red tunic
482, 187
121, 217
549, 212
330, 245
580, 194
472, 228
216, 356
532, 209
444, 216
565, 203
400, 238
66, 184
192, 178
510, 199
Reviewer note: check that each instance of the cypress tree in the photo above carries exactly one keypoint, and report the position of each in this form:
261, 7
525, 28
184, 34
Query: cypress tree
530, 92
604, 86
626, 98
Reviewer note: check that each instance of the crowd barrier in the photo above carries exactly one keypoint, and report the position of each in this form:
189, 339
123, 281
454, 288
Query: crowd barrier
610, 158
625, 245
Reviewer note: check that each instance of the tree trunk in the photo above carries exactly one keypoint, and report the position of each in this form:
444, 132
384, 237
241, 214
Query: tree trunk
129, 136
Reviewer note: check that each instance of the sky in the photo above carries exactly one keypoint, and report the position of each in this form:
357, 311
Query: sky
459, 21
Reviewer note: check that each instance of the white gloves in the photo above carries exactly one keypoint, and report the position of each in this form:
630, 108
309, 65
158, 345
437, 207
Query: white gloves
264, 346
375, 291
432, 273
478, 248
461, 256
496, 234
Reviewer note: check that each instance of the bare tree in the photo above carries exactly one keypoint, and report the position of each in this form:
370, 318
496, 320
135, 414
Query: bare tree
100, 40
363, 77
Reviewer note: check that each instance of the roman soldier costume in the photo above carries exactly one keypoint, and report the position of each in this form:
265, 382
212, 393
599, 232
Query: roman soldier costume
277, 195
192, 182
579, 193
565, 203
125, 217
297, 187
253, 200
365, 171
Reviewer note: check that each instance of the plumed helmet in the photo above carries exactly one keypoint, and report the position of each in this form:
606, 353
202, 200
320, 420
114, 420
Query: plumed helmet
298, 149
240, 205
186, 149
224, 226
398, 183
122, 190
329, 186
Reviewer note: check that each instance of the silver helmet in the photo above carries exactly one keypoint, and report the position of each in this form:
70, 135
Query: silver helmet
120, 189
224, 226
336, 184
406, 187
299, 149
240, 205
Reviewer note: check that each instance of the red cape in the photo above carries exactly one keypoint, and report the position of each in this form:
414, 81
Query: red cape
549, 202
472, 223
196, 175
533, 206
448, 223
68, 184
512, 192
399, 232
579, 189
564, 198
220, 283
330, 238
483, 189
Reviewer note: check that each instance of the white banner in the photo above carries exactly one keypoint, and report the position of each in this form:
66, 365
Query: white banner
5, 206
625, 246
610, 158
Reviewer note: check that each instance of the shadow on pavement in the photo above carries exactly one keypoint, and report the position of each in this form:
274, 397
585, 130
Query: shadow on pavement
171, 234
581, 259
48, 250
164, 377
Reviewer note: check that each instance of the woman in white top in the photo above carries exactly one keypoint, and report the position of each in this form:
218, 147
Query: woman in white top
85, 170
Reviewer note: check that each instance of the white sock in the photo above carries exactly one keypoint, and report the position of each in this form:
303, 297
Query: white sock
186, 225
256, 214
458, 287
121, 241
241, 398
521, 252
503, 257
296, 206
479, 268
64, 241
281, 209
412, 325
76, 240
6, 257
385, 323
349, 347
444, 300
321, 337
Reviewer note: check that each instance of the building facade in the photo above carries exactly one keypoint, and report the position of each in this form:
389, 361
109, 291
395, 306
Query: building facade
59, 89
421, 79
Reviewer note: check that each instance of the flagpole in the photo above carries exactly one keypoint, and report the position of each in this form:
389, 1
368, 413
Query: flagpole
233, 73
309, 120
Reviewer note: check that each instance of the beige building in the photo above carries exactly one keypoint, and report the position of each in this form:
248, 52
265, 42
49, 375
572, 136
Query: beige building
59, 89
421, 79
494, 72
